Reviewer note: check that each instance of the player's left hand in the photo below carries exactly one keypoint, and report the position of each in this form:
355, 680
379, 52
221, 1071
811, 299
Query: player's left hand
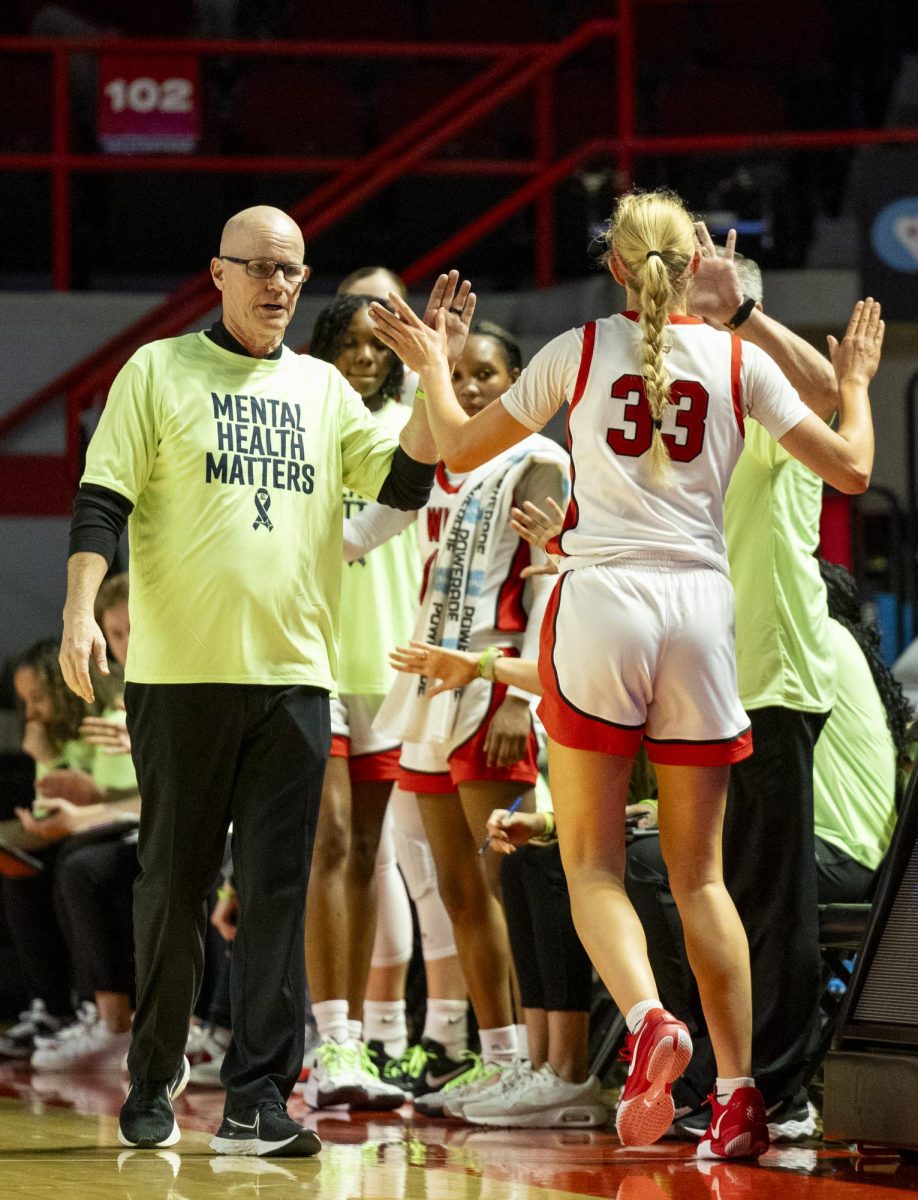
508, 732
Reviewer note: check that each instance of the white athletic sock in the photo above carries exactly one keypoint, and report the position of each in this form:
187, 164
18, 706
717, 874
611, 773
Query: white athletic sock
522, 1041
498, 1045
385, 1021
355, 1031
331, 1020
639, 1011
447, 1022
726, 1087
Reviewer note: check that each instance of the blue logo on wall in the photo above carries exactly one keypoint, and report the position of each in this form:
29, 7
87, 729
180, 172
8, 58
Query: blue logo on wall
894, 234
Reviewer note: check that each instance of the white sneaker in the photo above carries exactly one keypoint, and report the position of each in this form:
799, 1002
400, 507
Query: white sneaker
502, 1076
380, 1095
206, 1050
87, 1045
541, 1101
335, 1077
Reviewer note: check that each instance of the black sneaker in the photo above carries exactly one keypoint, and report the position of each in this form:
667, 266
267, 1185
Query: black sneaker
265, 1130
35, 1022
791, 1120
147, 1120
424, 1068
376, 1051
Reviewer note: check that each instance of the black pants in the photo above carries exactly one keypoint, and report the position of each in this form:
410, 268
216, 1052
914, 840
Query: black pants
840, 878
39, 941
551, 964
770, 870
93, 894
207, 755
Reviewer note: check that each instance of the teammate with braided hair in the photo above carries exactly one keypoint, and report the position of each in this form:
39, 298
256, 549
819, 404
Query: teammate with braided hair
637, 641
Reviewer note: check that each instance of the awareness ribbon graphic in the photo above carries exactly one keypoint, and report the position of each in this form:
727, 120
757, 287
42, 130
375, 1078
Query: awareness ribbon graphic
263, 503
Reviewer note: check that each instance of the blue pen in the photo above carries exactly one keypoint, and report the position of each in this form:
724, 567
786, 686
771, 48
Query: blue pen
512, 809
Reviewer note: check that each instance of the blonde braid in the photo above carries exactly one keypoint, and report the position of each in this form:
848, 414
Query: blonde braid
655, 293
651, 240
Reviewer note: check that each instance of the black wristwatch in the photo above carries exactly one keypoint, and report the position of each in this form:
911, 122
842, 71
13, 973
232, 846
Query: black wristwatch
748, 304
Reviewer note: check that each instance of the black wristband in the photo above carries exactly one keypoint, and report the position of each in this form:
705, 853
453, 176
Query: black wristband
749, 303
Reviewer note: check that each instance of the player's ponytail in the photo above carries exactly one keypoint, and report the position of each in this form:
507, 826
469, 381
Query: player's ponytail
651, 242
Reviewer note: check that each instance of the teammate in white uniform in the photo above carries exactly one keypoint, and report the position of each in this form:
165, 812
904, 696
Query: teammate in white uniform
466, 752
644, 610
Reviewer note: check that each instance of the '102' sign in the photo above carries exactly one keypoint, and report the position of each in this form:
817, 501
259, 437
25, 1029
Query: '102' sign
148, 103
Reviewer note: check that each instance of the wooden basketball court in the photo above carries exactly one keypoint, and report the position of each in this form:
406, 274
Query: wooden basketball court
58, 1139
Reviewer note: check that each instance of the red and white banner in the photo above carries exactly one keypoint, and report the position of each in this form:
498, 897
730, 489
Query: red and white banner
148, 103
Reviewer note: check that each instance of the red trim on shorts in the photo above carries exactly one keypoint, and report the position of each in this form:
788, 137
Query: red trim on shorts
425, 783
511, 615
340, 747
572, 514
736, 382
700, 754
468, 763
377, 766
564, 722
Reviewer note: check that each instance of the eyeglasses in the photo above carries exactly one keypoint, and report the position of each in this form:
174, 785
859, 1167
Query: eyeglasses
267, 268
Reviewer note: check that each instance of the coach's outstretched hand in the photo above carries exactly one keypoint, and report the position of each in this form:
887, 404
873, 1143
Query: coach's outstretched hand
857, 356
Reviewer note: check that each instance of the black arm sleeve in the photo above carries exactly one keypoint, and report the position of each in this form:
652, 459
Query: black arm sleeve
99, 518
408, 484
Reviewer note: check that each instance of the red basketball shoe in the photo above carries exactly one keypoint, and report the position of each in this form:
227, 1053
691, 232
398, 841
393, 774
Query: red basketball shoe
659, 1052
738, 1129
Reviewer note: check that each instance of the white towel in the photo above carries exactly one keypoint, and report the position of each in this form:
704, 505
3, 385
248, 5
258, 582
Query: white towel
447, 615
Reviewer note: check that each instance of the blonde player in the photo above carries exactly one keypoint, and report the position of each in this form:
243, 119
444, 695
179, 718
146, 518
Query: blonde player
637, 640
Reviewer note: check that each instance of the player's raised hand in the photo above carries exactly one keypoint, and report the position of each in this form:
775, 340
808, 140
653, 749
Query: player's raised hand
857, 356
458, 302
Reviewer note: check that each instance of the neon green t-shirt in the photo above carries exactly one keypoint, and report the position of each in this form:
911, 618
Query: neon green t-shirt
235, 467
379, 594
854, 766
771, 522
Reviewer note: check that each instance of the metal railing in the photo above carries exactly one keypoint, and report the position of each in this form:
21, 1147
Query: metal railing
507, 72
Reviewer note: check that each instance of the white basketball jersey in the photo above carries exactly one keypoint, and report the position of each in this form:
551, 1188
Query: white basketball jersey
616, 507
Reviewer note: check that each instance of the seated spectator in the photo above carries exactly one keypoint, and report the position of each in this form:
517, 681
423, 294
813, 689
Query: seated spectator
70, 923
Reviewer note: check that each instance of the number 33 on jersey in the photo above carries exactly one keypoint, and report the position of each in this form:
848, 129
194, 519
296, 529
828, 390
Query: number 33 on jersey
716, 381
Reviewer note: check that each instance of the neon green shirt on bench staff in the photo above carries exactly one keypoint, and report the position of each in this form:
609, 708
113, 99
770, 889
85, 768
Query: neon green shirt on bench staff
235, 467
771, 523
854, 765
379, 594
